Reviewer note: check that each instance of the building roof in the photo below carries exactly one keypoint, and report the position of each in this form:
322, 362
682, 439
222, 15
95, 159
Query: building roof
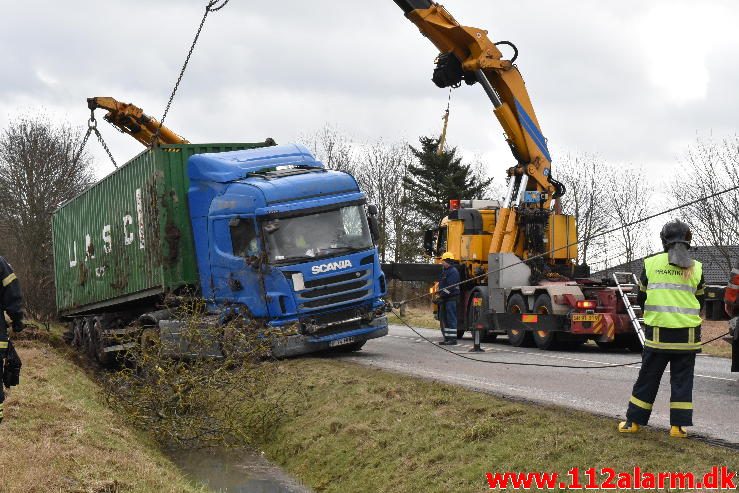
717, 264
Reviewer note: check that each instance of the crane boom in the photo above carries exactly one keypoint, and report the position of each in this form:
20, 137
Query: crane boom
132, 120
468, 54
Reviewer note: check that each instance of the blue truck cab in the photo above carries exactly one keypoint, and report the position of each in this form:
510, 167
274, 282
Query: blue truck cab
283, 240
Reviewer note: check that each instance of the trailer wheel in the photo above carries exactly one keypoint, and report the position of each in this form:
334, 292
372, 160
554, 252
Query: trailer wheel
544, 339
518, 337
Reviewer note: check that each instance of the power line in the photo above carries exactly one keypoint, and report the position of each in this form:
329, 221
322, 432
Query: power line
570, 245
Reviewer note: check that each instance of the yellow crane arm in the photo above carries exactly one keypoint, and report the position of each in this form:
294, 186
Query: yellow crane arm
132, 120
468, 54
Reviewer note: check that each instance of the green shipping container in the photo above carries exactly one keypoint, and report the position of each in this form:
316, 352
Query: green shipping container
128, 237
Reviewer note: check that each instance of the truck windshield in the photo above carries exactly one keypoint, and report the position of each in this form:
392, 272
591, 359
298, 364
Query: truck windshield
318, 235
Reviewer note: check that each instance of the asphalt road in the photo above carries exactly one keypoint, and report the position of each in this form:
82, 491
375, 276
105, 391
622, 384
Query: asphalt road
600, 391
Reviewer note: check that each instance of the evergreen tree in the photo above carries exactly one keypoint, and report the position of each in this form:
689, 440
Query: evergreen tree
438, 178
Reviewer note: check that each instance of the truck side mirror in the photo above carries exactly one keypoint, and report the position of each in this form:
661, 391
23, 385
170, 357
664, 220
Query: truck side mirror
374, 226
428, 242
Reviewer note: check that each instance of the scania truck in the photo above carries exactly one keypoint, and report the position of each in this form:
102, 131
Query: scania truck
259, 230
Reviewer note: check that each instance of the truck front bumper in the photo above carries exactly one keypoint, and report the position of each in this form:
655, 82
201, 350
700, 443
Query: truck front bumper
295, 345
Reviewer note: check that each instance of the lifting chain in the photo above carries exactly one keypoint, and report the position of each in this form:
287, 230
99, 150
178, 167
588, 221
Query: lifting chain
92, 126
212, 6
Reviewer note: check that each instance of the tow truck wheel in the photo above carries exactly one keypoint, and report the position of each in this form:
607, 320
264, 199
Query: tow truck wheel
608, 346
518, 337
544, 339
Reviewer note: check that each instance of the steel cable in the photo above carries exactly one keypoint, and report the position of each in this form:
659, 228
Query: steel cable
212, 6
540, 365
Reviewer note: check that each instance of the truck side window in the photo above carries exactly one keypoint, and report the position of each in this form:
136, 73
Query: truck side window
243, 237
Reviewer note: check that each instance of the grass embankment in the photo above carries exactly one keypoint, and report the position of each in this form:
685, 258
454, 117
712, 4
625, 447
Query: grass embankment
59, 435
418, 317
353, 428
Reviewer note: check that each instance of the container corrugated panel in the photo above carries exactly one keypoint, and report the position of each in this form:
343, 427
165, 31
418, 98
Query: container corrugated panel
128, 236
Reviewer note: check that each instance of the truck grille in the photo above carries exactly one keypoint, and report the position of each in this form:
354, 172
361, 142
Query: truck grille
345, 287
332, 300
327, 281
350, 286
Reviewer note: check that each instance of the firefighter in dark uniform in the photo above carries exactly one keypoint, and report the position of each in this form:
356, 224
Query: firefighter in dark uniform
10, 304
671, 294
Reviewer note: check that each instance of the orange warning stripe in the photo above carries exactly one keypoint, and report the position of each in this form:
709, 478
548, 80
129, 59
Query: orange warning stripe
611, 329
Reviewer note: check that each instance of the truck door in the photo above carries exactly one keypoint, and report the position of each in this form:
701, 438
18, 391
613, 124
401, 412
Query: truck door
234, 257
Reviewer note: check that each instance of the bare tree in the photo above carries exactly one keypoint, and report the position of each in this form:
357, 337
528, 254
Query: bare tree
711, 167
333, 148
629, 194
38, 173
587, 200
380, 173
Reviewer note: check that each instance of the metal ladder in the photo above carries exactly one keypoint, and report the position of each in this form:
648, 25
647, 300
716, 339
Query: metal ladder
628, 280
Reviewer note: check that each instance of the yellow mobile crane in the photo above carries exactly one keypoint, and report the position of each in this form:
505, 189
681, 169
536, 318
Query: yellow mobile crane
524, 243
132, 120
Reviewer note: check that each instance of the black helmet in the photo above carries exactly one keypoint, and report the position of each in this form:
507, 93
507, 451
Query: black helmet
675, 232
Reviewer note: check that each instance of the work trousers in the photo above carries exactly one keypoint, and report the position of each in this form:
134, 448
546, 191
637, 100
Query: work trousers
448, 318
682, 368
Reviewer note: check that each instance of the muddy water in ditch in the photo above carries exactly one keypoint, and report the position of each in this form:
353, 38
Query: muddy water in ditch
235, 471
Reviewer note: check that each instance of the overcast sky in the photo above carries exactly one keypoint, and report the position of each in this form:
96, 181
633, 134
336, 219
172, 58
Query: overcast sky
633, 81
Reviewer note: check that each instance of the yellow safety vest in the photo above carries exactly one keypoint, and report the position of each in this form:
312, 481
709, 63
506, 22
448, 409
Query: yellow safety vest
672, 304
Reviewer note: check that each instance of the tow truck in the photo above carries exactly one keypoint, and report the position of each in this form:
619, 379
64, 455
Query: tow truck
520, 253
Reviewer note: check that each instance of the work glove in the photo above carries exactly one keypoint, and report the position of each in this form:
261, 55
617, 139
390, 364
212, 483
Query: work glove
18, 325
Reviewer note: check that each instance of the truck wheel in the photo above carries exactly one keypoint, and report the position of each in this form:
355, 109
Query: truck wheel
718, 311
150, 343
78, 332
608, 346
89, 343
350, 348
544, 339
518, 337
632, 343
107, 360
709, 313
